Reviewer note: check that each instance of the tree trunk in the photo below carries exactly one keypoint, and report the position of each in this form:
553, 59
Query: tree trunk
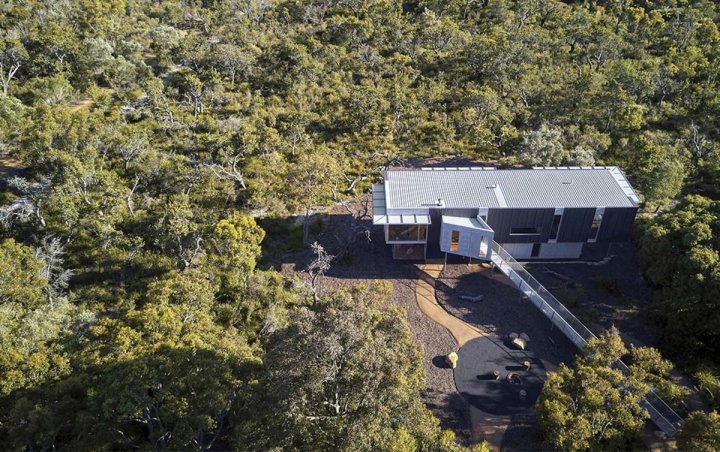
306, 226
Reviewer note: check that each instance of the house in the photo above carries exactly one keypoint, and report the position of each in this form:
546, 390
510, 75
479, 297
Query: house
538, 213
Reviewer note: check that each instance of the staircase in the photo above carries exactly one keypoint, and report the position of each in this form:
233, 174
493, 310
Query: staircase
660, 413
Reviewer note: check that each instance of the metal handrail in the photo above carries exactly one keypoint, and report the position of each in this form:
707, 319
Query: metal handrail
660, 413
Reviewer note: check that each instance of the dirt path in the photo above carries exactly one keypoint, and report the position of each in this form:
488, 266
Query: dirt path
485, 427
8, 165
428, 304
84, 103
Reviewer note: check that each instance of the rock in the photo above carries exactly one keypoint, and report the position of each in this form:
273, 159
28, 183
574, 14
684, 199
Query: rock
518, 343
451, 359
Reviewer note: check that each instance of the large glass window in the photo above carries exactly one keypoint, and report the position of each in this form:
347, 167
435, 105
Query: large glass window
454, 240
555, 227
407, 232
524, 231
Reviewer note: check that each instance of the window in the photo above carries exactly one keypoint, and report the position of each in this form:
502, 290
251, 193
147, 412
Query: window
407, 233
596, 224
484, 246
524, 231
535, 252
454, 240
555, 227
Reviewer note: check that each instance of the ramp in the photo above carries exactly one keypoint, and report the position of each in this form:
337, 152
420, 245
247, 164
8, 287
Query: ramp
660, 413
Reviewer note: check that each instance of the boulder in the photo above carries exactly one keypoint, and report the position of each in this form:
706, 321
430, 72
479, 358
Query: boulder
518, 343
451, 360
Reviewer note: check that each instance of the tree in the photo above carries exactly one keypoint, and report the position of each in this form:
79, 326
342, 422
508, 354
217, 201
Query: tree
318, 267
700, 433
30, 327
233, 59
581, 156
592, 406
691, 280
164, 38
21, 275
336, 376
661, 173
310, 183
235, 247
541, 147
648, 365
12, 56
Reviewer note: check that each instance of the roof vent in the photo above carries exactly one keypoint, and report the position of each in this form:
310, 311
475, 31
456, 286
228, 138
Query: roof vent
493, 186
568, 182
440, 202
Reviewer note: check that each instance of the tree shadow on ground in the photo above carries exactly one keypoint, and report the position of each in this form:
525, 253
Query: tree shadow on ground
359, 248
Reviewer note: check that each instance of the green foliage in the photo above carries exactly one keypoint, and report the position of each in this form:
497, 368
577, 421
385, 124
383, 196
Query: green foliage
151, 133
21, 279
592, 406
700, 433
610, 285
647, 364
336, 375
709, 383
679, 253
541, 147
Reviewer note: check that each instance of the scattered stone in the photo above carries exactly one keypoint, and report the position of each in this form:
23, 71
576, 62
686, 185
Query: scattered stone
518, 343
451, 359
474, 299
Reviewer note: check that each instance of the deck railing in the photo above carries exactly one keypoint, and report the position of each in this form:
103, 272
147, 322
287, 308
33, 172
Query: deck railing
660, 413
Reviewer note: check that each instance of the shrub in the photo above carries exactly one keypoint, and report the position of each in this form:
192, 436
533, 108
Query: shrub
709, 382
610, 285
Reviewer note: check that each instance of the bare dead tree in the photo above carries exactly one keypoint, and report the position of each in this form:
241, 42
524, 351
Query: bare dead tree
129, 199
28, 205
51, 253
233, 173
318, 267
187, 255
698, 142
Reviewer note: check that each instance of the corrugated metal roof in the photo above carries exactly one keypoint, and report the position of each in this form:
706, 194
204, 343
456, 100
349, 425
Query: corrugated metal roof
515, 188
380, 215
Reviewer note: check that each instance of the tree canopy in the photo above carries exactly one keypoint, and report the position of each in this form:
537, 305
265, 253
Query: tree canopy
148, 136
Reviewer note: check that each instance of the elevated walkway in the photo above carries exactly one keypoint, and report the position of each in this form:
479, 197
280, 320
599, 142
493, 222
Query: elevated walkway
660, 413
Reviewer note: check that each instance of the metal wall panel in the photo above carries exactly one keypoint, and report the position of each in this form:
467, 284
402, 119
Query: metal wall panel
617, 224
435, 224
436, 220
502, 220
518, 250
575, 225
561, 250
